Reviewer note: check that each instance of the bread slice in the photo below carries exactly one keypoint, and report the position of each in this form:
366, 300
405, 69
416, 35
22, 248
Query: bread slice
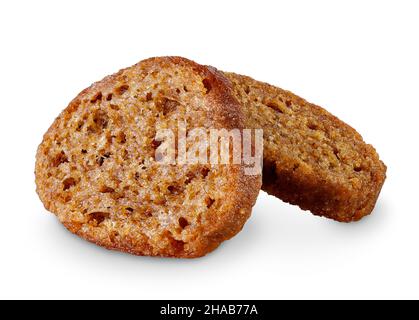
96, 168
311, 158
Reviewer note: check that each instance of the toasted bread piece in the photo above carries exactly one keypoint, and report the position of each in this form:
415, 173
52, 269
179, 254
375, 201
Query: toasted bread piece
96, 168
311, 158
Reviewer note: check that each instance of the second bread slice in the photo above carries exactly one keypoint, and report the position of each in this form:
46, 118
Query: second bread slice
311, 158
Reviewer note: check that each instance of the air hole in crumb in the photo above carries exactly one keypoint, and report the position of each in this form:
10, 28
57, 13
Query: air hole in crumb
84, 151
149, 96
100, 160
121, 89
169, 106
358, 169
125, 154
166, 105
148, 214
189, 178
80, 125
114, 107
98, 217
183, 223
121, 138
155, 144
288, 103
177, 245
68, 183
336, 152
177, 90
109, 97
247, 89
274, 105
205, 172
312, 126
207, 85
100, 119
175, 189
96, 97
59, 159
185, 88
130, 210
209, 202
106, 189
113, 236
332, 166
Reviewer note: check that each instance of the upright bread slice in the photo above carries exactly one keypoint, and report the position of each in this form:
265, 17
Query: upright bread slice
96, 168
311, 158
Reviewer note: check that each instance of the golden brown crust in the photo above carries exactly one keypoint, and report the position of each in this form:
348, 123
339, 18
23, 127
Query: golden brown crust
94, 169
311, 158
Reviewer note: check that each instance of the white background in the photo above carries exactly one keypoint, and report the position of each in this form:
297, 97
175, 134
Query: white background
359, 59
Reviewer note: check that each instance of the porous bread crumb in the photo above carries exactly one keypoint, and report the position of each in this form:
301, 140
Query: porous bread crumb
96, 169
311, 158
